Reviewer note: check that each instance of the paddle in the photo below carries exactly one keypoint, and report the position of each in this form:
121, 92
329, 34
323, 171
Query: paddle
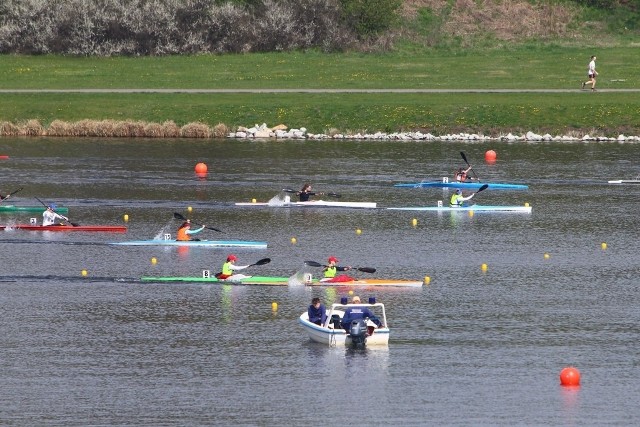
263, 261
62, 216
10, 194
288, 190
176, 215
363, 269
464, 157
482, 188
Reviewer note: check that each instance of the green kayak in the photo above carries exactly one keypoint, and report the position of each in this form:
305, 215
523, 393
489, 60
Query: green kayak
34, 209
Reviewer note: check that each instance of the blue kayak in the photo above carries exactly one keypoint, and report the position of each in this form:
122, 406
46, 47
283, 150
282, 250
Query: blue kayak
195, 243
464, 185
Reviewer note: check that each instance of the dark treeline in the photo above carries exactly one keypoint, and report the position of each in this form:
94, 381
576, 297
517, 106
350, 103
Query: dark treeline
163, 27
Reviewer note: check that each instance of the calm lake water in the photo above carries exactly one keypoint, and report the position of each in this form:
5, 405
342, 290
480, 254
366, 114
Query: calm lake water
472, 348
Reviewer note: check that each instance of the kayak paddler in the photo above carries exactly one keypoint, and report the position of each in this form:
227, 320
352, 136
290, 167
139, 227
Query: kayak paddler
229, 267
462, 174
184, 232
306, 192
331, 272
457, 199
49, 216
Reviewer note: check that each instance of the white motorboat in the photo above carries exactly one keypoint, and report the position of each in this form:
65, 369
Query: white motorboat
363, 331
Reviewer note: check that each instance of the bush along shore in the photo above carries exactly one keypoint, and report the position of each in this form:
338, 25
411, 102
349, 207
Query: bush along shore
138, 129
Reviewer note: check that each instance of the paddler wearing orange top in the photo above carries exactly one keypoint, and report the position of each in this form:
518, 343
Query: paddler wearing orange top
331, 272
184, 232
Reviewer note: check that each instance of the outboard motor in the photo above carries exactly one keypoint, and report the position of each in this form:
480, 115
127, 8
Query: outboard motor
358, 332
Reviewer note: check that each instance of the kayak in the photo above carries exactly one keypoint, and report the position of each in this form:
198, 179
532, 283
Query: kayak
313, 204
34, 209
476, 208
32, 227
284, 281
625, 181
195, 243
464, 185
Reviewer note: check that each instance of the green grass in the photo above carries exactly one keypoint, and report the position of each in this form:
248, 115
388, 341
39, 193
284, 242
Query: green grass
525, 67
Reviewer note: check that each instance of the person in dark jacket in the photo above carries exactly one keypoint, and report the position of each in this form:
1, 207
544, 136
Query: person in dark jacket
317, 312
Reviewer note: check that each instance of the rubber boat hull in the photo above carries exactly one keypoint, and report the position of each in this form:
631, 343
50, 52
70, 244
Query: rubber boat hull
284, 281
195, 243
60, 228
475, 208
33, 209
464, 185
336, 336
314, 204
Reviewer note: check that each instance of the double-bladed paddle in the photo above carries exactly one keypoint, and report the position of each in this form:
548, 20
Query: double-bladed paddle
363, 269
288, 190
10, 194
74, 224
464, 157
263, 261
176, 215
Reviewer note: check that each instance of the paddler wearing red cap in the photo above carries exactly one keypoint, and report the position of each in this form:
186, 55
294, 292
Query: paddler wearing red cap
229, 267
331, 269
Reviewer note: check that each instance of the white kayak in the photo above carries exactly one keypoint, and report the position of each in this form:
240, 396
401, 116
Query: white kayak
625, 181
476, 208
312, 204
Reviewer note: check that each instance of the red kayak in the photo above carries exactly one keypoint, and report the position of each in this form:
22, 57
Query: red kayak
30, 227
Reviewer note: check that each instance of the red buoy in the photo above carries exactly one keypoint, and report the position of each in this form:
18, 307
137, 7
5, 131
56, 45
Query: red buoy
201, 168
490, 156
570, 376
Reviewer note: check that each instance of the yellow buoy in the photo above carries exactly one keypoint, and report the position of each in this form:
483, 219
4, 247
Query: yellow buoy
470, 214
253, 200
350, 292
603, 246
293, 240
83, 272
154, 261
189, 209
274, 306
484, 267
126, 218
547, 256
358, 231
427, 280
526, 205
414, 222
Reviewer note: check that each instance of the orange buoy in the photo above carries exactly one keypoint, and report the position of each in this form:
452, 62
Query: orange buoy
490, 156
201, 168
570, 376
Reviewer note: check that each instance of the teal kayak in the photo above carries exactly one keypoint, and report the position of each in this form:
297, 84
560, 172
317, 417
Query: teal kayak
194, 243
34, 209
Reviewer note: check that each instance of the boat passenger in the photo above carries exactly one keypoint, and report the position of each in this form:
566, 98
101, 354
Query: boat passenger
317, 312
306, 192
184, 232
330, 272
49, 216
357, 312
462, 174
229, 267
457, 200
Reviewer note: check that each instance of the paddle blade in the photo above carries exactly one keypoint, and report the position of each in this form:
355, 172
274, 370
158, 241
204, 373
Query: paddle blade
263, 261
334, 195
313, 264
484, 187
464, 157
288, 190
176, 215
367, 269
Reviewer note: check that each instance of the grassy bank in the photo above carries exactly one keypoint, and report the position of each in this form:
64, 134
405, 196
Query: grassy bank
525, 67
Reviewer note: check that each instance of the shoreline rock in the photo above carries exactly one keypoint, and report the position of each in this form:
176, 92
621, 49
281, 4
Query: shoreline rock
282, 132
